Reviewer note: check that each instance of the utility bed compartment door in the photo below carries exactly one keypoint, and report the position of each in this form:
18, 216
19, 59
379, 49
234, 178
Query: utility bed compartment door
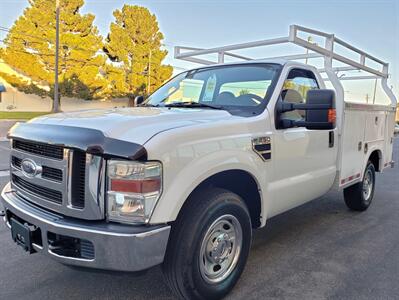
375, 126
366, 128
352, 150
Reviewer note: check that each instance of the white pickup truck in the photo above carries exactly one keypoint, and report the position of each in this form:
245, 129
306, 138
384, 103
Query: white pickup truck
183, 179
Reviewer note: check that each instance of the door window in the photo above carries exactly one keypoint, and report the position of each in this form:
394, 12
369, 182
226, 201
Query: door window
295, 88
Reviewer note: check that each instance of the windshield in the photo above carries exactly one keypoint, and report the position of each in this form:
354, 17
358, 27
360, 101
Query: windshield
231, 87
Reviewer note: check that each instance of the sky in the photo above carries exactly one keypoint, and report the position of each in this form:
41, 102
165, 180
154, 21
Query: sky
370, 25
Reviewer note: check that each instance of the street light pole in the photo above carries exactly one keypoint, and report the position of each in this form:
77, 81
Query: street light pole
57, 42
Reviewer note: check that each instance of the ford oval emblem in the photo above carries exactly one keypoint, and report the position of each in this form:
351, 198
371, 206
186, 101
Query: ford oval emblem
30, 168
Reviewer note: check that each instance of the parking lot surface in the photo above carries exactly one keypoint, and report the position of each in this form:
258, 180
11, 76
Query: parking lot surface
320, 250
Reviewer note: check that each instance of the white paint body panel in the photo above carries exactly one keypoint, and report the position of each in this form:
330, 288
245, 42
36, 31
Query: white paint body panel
304, 167
134, 124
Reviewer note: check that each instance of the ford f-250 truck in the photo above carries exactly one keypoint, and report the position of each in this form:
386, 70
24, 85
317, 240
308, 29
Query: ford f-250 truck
183, 179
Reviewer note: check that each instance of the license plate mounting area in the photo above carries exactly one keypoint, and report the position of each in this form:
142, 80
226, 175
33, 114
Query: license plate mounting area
22, 235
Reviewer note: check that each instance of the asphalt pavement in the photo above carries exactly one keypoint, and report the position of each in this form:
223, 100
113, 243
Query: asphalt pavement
320, 250
4, 147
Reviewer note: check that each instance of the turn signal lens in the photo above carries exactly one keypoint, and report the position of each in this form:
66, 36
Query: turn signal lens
135, 186
332, 115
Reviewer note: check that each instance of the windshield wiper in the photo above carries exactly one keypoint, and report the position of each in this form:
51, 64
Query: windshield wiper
149, 105
192, 105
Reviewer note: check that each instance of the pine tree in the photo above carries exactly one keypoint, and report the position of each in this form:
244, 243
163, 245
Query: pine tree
134, 45
30, 48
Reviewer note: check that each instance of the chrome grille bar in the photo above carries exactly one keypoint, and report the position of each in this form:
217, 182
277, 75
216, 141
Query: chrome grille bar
39, 149
43, 192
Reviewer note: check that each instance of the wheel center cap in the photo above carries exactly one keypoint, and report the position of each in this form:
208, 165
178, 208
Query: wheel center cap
221, 248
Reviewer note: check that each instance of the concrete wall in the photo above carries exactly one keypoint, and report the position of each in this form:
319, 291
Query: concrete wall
13, 100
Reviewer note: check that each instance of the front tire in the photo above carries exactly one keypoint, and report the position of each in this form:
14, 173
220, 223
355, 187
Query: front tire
359, 196
209, 245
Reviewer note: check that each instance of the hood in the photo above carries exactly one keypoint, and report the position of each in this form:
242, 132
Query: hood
137, 124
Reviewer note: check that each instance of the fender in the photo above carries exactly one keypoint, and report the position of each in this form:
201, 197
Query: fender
372, 148
178, 188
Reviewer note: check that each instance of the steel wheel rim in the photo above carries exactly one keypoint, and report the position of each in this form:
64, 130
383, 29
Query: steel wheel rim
367, 185
220, 249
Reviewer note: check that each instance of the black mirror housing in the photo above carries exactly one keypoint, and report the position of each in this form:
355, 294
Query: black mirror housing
321, 119
138, 100
319, 107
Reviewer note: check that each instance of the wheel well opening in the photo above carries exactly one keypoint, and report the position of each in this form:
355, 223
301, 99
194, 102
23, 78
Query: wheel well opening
241, 183
375, 158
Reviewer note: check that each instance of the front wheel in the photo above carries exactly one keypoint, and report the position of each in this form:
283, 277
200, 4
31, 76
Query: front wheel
359, 196
209, 245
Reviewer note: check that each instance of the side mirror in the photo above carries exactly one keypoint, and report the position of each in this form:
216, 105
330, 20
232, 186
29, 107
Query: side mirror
321, 118
138, 100
319, 107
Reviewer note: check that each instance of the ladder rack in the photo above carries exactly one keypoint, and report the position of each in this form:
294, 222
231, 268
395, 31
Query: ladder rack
328, 52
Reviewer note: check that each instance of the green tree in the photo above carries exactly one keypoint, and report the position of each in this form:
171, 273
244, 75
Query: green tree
134, 46
23, 85
30, 48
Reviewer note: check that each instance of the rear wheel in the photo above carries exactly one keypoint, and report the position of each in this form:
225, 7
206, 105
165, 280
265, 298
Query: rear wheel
209, 245
360, 195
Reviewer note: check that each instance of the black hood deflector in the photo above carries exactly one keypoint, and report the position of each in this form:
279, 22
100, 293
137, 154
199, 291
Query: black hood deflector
89, 140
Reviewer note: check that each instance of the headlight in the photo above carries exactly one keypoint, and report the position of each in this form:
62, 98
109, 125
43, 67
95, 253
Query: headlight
133, 190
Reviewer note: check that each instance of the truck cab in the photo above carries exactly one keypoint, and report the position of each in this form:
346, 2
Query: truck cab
183, 179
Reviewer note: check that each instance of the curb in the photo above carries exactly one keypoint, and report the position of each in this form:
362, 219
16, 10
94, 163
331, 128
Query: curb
3, 139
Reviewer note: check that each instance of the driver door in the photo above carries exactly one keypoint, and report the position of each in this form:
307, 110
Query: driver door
304, 160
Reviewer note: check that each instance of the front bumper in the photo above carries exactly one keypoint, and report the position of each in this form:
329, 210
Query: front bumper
115, 246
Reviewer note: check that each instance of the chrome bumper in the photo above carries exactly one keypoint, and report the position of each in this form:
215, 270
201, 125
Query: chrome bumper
116, 246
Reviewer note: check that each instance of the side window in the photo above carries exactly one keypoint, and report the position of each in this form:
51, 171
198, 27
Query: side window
295, 88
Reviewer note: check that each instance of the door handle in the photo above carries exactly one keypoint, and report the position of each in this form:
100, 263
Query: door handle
331, 139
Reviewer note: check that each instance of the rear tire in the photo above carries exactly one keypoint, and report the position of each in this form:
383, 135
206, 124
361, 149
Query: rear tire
359, 196
209, 245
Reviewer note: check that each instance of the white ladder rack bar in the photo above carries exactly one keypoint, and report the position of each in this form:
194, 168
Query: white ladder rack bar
296, 56
328, 53
221, 51
183, 55
337, 40
355, 77
339, 69
190, 53
361, 65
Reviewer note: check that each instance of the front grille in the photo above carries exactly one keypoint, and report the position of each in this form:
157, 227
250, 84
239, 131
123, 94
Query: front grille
67, 181
45, 150
16, 162
78, 179
40, 191
47, 172
52, 173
